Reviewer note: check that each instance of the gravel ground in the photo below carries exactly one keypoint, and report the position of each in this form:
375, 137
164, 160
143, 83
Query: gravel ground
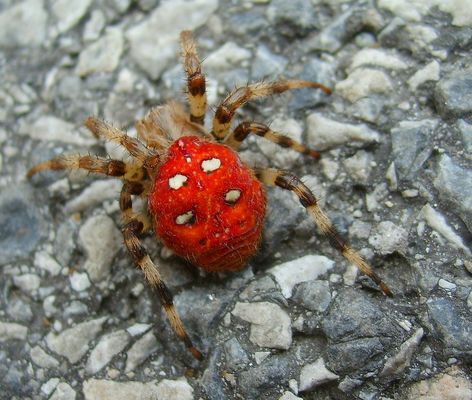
77, 321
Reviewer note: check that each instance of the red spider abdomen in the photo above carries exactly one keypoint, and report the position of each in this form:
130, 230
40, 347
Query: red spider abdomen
207, 205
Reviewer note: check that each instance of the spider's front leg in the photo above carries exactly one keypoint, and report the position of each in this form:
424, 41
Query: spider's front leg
245, 128
196, 84
134, 226
287, 180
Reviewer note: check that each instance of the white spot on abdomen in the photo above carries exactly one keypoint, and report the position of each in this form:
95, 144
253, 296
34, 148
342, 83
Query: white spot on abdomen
177, 181
232, 196
184, 218
211, 165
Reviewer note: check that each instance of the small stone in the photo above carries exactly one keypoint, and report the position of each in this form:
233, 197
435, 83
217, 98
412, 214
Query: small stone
69, 12
466, 132
49, 128
12, 331
453, 94
94, 26
107, 347
161, 31
73, 343
63, 391
227, 57
428, 73
43, 359
48, 387
236, 356
454, 185
94, 194
315, 374
31, 16
324, 133
260, 356
388, 238
378, 57
270, 324
174, 390
79, 281
396, 364
289, 396
303, 269
101, 240
138, 329
267, 64
296, 17
446, 285
98, 389
102, 55
453, 384
140, 351
412, 146
313, 295
44, 261
363, 82
359, 166
28, 283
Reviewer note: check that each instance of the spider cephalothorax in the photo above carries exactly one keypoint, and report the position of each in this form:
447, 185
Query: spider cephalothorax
204, 202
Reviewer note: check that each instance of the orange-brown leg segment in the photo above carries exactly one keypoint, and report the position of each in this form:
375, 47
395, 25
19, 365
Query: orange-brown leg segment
288, 181
126, 204
196, 85
131, 232
245, 128
240, 96
95, 164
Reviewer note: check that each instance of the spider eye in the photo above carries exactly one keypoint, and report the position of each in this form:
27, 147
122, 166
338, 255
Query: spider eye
232, 196
185, 218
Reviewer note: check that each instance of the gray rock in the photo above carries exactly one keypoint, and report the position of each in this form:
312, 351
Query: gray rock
453, 94
102, 55
293, 18
267, 64
412, 146
325, 133
364, 82
236, 356
314, 295
160, 31
73, 343
357, 354
69, 13
12, 331
466, 132
63, 391
398, 362
315, 374
141, 350
31, 16
452, 327
107, 347
43, 359
101, 389
304, 269
454, 185
388, 238
174, 390
101, 240
21, 223
270, 324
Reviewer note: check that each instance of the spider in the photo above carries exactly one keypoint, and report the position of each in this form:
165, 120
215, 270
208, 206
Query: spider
204, 203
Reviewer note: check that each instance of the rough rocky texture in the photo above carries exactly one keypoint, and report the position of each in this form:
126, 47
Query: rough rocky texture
76, 319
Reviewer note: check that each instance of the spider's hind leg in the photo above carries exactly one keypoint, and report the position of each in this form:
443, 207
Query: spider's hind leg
134, 226
288, 181
196, 84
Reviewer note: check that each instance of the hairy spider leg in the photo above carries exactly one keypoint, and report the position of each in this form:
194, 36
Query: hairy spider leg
95, 164
196, 84
237, 98
131, 232
126, 204
245, 128
287, 180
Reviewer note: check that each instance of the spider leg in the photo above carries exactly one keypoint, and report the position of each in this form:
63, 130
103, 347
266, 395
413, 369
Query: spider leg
126, 204
235, 139
95, 164
237, 98
137, 149
196, 85
131, 232
287, 180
